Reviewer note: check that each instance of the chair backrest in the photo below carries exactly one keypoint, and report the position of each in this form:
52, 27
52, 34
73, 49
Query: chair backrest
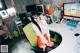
30, 34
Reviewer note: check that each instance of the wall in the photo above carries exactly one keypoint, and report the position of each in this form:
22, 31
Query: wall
20, 4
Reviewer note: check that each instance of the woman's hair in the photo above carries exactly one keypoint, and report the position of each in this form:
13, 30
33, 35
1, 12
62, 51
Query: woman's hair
35, 13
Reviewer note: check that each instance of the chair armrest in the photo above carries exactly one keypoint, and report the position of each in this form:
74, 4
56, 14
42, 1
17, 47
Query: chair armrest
37, 49
56, 37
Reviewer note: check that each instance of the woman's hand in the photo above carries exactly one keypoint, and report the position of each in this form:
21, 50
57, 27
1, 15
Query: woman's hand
2, 32
50, 44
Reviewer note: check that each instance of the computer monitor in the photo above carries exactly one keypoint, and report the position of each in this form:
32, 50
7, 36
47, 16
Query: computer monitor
31, 8
72, 9
40, 9
35, 8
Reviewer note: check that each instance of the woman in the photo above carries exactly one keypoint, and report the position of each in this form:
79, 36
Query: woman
42, 31
3, 29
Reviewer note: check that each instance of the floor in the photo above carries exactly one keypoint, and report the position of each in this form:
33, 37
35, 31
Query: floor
22, 46
18, 45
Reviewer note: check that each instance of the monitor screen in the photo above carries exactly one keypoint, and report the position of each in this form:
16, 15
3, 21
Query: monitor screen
72, 9
40, 9
31, 8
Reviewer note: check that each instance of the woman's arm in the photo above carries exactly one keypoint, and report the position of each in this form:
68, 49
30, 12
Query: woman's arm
2, 32
5, 28
38, 33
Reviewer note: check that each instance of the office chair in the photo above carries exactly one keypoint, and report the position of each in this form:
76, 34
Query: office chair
32, 38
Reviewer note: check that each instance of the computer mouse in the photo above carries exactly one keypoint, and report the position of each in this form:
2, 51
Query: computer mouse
76, 34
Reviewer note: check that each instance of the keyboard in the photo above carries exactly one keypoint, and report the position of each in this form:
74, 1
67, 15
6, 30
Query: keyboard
72, 23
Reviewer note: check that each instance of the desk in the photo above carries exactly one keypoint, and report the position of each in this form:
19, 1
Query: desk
68, 39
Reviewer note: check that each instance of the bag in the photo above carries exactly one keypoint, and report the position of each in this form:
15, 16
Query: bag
50, 11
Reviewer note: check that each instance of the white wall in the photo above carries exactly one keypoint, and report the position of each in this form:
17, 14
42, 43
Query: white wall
20, 4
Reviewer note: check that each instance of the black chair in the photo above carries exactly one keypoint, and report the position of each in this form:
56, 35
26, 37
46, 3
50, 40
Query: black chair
24, 19
31, 36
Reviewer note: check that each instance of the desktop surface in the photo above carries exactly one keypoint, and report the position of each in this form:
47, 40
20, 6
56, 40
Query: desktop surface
69, 40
